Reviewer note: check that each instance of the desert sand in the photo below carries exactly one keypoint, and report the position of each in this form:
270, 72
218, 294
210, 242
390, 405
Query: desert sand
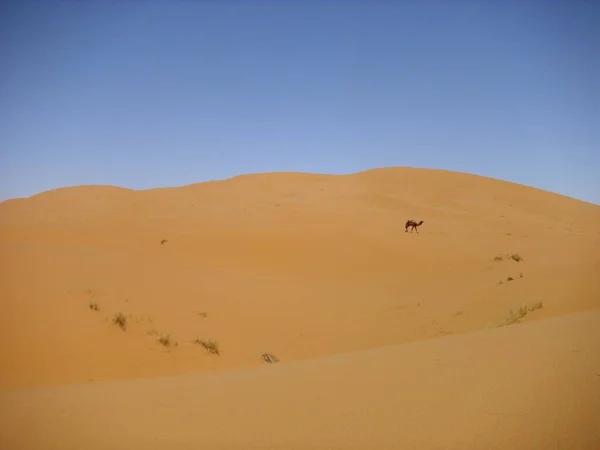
479, 331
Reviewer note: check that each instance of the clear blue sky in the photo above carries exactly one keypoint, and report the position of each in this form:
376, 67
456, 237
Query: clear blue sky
146, 94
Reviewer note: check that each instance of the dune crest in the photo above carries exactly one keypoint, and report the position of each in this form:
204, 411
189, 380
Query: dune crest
295, 265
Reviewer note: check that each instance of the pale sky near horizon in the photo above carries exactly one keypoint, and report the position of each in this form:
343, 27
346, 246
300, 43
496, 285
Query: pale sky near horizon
145, 94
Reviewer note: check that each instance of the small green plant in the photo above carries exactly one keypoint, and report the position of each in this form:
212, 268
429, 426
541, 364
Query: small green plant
120, 320
94, 306
516, 257
210, 346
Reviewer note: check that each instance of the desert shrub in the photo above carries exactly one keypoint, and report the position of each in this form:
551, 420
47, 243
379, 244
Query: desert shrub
515, 315
165, 340
537, 305
120, 320
209, 345
269, 358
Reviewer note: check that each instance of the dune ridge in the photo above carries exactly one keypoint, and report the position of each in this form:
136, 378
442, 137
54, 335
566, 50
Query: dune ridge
138, 319
297, 265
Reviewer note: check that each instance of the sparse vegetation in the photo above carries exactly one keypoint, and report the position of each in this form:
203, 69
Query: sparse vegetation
203, 314
164, 241
120, 320
515, 315
210, 346
515, 257
269, 358
94, 306
165, 340
536, 305
509, 278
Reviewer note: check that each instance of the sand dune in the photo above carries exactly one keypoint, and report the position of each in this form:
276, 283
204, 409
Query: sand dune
305, 267
527, 386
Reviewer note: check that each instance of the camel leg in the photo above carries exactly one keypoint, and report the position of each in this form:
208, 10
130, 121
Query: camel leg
417, 230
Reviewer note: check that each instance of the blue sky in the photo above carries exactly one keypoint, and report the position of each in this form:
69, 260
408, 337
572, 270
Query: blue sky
145, 94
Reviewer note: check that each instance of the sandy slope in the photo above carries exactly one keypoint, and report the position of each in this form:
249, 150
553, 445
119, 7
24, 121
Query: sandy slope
298, 265
317, 270
526, 386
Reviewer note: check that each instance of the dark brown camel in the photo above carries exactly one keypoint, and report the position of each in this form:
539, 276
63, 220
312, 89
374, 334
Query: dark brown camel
413, 224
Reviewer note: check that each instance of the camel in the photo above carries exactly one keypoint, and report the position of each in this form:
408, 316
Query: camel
413, 224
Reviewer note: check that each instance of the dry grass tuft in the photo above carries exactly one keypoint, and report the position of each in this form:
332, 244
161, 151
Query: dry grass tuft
166, 341
210, 346
516, 315
269, 358
515, 257
536, 305
120, 320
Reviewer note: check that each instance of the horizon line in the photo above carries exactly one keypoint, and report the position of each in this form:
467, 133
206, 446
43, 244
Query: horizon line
291, 172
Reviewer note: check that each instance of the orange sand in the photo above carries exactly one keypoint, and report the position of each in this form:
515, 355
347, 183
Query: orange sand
316, 270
